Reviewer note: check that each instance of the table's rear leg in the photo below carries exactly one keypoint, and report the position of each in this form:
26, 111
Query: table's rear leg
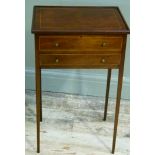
107, 94
40, 100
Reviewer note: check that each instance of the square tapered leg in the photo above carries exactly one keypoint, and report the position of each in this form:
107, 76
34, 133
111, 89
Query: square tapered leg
119, 88
38, 107
107, 94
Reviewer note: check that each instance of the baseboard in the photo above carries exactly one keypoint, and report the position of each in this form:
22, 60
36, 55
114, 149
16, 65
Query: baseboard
76, 82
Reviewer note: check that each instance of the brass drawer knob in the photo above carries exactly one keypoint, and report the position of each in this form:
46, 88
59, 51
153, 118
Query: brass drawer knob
57, 44
104, 44
56, 60
103, 60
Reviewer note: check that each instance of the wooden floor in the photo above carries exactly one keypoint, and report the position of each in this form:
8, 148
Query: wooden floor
72, 125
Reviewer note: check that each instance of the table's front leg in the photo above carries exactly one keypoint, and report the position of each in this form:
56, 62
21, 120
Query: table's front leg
38, 104
119, 89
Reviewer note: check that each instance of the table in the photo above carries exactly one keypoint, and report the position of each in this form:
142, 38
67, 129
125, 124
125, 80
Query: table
82, 38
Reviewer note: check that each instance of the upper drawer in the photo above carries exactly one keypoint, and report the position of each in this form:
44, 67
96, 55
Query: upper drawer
80, 43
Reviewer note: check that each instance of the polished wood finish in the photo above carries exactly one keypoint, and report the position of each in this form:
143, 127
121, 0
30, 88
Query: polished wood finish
79, 37
78, 20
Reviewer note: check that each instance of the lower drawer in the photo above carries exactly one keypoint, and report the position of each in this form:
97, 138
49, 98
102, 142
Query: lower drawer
79, 60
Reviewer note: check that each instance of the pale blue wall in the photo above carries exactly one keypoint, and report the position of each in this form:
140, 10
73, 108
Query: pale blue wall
83, 82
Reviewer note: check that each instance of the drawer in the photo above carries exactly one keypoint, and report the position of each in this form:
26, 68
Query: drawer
80, 43
72, 61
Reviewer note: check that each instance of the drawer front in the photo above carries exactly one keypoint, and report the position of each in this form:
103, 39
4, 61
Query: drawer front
80, 43
72, 61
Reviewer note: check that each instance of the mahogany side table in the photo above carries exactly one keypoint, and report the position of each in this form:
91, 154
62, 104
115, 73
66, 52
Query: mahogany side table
81, 38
